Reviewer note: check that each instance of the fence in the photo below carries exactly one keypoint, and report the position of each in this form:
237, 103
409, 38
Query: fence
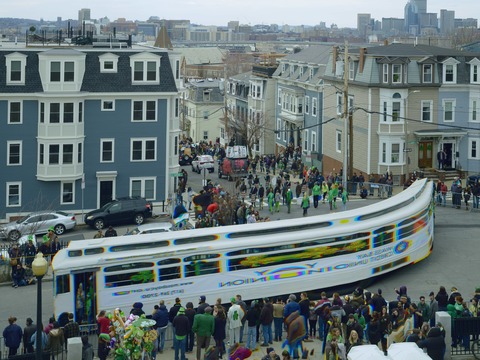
464, 331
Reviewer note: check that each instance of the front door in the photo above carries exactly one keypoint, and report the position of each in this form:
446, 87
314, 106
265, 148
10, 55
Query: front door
106, 191
449, 149
425, 154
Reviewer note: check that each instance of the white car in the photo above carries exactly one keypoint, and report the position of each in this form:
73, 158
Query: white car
203, 162
152, 228
38, 223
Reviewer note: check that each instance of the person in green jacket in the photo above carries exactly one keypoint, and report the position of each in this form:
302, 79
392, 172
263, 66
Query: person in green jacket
305, 203
344, 199
324, 191
289, 197
316, 191
203, 326
332, 196
271, 199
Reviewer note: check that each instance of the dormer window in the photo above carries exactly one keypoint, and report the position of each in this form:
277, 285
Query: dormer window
301, 71
15, 63
145, 69
108, 63
474, 71
310, 75
450, 71
396, 73
62, 71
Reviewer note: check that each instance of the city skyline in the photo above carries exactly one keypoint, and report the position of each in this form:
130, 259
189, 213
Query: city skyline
216, 12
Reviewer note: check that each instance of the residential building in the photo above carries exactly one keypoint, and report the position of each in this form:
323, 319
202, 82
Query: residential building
203, 109
300, 102
408, 102
83, 126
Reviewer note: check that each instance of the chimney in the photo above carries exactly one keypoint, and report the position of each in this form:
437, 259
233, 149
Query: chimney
361, 64
385, 42
334, 59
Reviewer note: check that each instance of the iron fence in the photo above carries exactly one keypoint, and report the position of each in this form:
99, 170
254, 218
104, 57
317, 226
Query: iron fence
465, 330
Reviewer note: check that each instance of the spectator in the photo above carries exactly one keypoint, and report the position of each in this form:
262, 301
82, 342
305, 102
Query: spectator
111, 232
219, 333
103, 349
87, 349
203, 326
103, 323
29, 252
278, 308
12, 336
71, 329
202, 305
181, 326
56, 340
235, 315
252, 318
19, 276
174, 310
161, 324
353, 340
99, 234
435, 344
433, 308
266, 319
442, 299
28, 331
190, 314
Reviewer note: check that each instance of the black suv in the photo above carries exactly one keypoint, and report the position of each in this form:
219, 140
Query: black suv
122, 210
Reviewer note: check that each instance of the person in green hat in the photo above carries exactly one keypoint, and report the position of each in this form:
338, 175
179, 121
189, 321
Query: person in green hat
103, 343
181, 326
30, 251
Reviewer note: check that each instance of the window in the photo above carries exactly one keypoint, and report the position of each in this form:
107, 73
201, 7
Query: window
448, 110
143, 150
284, 130
108, 105
67, 154
67, 193
300, 105
338, 141
396, 73
206, 96
385, 111
144, 111
144, 187
42, 112
311, 73
339, 104
474, 110
79, 153
54, 113
145, 71
313, 144
307, 104
396, 108
427, 108
69, 71
14, 153
279, 97
68, 113
41, 154
385, 73
54, 154
108, 65
301, 72
80, 112
427, 73
305, 140
222, 133
449, 75
279, 128
205, 135
391, 151
177, 107
15, 112
474, 74
15, 71
314, 106
351, 70
14, 194
473, 149
55, 71
395, 154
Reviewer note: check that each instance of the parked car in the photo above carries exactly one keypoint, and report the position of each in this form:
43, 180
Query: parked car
473, 179
203, 162
38, 223
152, 228
123, 210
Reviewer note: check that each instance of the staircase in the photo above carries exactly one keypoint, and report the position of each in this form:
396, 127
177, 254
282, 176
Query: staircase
444, 175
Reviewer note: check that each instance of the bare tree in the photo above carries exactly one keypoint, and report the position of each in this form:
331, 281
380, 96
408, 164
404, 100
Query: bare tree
464, 36
237, 63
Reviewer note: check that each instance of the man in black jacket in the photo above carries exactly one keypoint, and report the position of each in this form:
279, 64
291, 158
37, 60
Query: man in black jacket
181, 326
435, 344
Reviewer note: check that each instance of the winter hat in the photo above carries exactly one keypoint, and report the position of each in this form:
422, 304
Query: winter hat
181, 311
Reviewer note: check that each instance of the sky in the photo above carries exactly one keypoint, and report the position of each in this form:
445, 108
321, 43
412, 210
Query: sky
219, 12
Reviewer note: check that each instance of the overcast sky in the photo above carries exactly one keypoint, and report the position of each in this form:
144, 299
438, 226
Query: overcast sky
219, 12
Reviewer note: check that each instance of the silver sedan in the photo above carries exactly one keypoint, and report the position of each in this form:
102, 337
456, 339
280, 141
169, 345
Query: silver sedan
38, 223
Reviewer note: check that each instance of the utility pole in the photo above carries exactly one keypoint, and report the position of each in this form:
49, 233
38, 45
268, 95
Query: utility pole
345, 117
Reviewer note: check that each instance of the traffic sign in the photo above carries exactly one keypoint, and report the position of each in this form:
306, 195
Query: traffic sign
407, 150
176, 174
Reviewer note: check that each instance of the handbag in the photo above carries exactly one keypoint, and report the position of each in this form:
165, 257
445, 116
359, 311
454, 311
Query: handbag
13, 262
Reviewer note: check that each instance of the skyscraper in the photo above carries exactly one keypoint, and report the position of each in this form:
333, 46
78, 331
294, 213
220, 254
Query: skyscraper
363, 23
447, 21
83, 14
413, 10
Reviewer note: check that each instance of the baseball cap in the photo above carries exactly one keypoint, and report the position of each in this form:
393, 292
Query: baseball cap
202, 298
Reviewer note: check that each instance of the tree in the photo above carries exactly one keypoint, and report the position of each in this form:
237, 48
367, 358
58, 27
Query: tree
237, 63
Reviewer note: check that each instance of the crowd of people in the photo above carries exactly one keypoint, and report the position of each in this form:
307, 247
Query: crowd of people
331, 326
459, 194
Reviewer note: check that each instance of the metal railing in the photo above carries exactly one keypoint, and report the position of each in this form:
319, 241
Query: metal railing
464, 331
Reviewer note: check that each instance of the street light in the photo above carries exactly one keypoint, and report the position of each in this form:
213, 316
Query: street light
405, 150
39, 269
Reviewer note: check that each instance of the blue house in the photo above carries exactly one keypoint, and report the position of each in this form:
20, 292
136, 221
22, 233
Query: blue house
80, 126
